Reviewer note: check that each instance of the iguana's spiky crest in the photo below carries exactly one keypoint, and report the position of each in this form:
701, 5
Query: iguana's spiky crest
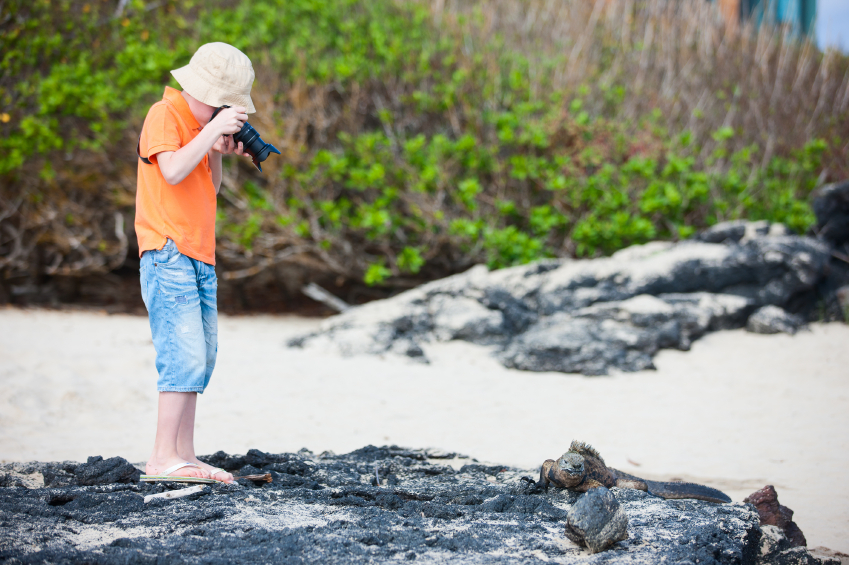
585, 449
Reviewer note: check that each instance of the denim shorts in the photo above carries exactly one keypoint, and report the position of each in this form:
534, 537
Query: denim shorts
180, 295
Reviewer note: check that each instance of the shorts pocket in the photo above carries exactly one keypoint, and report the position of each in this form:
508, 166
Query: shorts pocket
177, 283
168, 255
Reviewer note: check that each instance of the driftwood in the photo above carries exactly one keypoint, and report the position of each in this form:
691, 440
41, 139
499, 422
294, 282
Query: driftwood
320, 295
175, 493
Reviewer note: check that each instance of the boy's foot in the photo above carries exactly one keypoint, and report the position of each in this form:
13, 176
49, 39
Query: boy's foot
216, 473
160, 467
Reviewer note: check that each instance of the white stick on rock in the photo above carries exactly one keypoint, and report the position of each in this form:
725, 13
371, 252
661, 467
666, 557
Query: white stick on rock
175, 493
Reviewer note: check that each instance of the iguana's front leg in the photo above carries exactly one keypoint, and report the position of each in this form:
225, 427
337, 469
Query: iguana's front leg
548, 475
544, 478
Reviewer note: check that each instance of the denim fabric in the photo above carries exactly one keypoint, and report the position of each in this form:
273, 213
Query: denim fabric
180, 295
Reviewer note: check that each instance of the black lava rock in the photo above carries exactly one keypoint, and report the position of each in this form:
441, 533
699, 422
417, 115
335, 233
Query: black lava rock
596, 521
725, 232
831, 206
773, 320
591, 316
326, 509
99, 471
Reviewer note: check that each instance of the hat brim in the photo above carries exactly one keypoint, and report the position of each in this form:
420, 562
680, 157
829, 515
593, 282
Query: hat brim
211, 95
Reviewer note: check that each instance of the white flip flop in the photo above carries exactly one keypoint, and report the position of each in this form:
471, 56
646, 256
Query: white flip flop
167, 477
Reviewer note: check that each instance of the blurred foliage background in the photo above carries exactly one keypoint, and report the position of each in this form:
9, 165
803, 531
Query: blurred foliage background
419, 137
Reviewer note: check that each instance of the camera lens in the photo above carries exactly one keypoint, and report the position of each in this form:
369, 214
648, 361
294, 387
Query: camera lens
254, 145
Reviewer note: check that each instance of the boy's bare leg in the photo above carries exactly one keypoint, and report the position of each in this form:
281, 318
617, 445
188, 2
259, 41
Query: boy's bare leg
186, 441
172, 406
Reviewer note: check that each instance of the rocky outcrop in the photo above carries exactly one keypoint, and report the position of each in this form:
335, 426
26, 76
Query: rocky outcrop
376, 505
773, 320
95, 471
771, 513
99, 471
591, 316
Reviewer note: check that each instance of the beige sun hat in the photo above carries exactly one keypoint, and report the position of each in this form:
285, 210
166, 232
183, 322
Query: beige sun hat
218, 74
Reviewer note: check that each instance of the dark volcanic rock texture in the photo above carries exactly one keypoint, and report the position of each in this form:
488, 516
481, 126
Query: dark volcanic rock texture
378, 505
589, 316
596, 521
772, 320
831, 206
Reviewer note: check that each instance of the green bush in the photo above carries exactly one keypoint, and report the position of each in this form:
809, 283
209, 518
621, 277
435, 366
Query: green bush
413, 146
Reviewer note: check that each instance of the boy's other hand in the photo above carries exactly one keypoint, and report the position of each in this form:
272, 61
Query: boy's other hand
229, 120
225, 146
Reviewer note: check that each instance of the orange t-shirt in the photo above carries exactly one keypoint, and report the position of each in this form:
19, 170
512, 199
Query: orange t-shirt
184, 212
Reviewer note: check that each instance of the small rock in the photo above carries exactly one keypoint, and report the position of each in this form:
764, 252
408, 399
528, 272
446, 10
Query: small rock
724, 232
739, 231
773, 542
773, 320
758, 229
409, 348
829, 556
799, 556
774, 514
596, 521
99, 471
59, 474
464, 318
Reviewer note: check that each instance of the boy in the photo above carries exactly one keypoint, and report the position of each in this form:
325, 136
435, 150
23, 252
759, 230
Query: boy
179, 175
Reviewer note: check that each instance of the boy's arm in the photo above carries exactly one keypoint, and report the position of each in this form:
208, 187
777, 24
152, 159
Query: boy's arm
224, 146
176, 165
215, 168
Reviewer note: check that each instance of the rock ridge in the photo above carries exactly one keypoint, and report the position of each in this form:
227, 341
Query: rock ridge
592, 316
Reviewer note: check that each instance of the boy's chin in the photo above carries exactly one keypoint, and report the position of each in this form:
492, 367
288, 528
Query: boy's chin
207, 114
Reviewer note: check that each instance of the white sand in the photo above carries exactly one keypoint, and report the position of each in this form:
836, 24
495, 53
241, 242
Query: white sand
737, 412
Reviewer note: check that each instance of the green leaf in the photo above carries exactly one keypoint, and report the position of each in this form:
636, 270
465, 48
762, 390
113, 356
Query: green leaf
376, 273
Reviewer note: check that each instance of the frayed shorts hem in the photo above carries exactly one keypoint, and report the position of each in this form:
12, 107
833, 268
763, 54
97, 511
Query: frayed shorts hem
180, 389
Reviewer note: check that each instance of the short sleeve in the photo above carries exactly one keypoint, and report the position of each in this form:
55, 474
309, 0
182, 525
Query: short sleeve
160, 133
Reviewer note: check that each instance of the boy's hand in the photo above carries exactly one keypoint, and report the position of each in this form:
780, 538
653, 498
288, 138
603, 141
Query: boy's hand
225, 146
229, 120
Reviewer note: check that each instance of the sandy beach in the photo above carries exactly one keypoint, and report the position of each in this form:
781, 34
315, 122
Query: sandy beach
737, 412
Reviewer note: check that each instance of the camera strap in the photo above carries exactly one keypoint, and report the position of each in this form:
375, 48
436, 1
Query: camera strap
144, 160
215, 113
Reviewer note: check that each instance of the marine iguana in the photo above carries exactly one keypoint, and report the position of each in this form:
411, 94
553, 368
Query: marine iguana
582, 468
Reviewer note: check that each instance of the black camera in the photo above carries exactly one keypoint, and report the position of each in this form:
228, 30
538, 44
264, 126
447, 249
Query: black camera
251, 142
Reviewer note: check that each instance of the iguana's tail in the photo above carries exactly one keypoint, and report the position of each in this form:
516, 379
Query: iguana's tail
686, 490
